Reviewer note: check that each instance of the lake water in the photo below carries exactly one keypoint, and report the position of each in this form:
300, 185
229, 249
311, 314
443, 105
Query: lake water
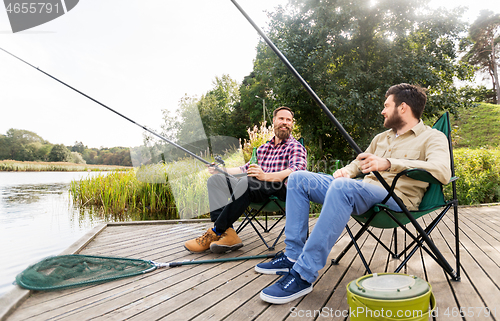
37, 219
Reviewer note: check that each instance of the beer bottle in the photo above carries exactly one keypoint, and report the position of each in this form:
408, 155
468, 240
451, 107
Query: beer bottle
253, 159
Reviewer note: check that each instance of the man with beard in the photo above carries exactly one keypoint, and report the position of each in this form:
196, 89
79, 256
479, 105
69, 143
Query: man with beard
407, 144
229, 197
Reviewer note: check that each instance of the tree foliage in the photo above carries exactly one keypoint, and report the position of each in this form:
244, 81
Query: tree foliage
197, 120
60, 153
20, 144
484, 35
24, 145
351, 52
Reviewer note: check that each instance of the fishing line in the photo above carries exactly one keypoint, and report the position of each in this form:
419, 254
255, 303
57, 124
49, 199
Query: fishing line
123, 116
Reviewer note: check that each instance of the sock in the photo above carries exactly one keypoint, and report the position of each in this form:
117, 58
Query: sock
291, 260
215, 231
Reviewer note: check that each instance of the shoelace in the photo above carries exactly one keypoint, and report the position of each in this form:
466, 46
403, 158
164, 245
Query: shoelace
286, 280
279, 257
204, 238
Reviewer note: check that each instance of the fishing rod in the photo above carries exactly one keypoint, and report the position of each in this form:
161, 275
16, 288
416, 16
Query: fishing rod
222, 260
123, 116
346, 135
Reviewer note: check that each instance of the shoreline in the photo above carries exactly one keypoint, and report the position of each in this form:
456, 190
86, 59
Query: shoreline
27, 166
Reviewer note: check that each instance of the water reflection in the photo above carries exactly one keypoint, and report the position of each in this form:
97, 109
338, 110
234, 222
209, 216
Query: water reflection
38, 219
27, 194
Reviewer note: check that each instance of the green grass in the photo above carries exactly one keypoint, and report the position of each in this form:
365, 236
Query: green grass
160, 191
121, 193
478, 127
17, 166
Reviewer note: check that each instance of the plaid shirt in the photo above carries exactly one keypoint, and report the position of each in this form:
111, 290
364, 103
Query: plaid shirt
288, 153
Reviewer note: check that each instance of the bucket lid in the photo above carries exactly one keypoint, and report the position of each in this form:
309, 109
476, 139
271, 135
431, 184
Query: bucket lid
389, 286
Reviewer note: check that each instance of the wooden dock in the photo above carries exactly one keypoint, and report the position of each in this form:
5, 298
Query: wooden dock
230, 290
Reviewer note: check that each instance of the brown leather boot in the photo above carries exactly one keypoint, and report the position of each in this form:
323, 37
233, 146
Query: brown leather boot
202, 243
229, 241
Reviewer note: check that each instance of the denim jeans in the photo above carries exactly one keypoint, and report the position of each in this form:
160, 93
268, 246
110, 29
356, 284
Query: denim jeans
340, 197
224, 211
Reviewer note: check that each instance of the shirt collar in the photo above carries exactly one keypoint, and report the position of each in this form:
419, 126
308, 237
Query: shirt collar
283, 142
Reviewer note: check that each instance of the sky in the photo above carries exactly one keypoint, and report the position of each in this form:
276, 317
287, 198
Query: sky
137, 57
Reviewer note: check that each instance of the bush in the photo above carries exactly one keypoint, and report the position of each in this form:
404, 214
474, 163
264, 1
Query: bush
77, 158
258, 136
60, 153
478, 172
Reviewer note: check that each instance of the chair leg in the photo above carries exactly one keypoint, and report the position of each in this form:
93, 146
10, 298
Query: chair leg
457, 240
395, 235
441, 260
361, 256
336, 260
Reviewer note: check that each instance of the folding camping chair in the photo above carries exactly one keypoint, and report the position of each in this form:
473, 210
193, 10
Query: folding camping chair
271, 205
381, 216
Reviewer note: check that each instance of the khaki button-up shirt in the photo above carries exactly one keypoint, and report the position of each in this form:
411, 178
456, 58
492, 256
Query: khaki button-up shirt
420, 147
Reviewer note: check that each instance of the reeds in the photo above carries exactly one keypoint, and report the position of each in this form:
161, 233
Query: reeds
176, 190
18, 166
121, 193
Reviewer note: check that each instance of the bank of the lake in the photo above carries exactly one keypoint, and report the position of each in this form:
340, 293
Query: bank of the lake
18, 166
38, 219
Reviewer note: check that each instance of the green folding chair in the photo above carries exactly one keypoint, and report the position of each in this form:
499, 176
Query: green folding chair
271, 205
380, 216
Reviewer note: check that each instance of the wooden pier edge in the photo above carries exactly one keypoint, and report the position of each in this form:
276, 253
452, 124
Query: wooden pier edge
15, 297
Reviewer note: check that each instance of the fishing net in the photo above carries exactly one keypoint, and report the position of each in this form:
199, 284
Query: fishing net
67, 271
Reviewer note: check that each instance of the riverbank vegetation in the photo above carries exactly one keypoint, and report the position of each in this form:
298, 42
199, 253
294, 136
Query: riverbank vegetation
157, 191
17, 166
24, 145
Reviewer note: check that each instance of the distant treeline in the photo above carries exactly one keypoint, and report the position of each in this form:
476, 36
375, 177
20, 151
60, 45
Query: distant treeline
24, 145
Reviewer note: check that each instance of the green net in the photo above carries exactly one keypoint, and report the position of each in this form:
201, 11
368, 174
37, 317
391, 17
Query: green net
66, 271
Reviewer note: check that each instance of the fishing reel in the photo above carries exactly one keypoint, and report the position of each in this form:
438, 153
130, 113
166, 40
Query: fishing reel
219, 160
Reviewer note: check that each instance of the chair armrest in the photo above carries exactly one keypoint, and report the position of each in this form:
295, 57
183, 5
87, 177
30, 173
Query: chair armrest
414, 173
420, 175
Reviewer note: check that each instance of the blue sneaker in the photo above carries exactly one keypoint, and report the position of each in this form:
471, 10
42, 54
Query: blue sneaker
290, 287
279, 265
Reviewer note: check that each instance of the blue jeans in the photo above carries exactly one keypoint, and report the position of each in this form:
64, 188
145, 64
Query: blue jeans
340, 197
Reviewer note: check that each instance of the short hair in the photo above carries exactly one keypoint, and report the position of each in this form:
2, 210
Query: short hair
282, 108
413, 95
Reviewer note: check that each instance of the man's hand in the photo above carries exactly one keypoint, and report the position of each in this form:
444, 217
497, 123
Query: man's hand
371, 163
257, 172
211, 168
341, 173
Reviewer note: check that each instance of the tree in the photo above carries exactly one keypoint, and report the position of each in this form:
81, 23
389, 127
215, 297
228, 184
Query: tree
60, 153
196, 120
78, 147
351, 52
484, 34
23, 145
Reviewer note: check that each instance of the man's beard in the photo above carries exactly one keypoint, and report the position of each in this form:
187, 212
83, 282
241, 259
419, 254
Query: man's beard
394, 122
282, 133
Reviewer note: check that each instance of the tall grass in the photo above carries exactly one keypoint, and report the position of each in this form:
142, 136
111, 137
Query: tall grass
122, 193
174, 190
18, 166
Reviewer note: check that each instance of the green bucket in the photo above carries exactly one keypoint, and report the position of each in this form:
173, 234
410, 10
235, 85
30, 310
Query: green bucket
390, 296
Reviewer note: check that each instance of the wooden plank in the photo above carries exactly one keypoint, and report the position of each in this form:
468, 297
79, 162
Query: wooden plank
464, 290
231, 290
107, 290
479, 270
437, 278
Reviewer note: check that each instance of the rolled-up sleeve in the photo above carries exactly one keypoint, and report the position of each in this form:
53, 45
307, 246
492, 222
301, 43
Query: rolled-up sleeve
298, 158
